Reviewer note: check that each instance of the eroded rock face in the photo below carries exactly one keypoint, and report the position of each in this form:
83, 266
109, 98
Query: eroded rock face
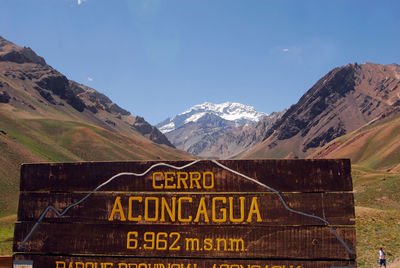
215, 137
4, 97
21, 57
327, 136
59, 85
340, 102
318, 100
215, 130
150, 132
13, 53
38, 81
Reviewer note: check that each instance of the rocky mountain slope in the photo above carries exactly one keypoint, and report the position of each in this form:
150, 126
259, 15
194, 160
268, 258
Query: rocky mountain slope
342, 101
358, 104
217, 130
44, 117
374, 153
376, 145
228, 113
32, 87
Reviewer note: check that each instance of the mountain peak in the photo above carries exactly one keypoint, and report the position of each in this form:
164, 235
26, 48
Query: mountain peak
340, 102
236, 113
13, 53
27, 82
217, 130
5, 43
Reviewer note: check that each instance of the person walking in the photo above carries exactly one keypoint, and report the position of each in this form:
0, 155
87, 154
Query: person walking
382, 258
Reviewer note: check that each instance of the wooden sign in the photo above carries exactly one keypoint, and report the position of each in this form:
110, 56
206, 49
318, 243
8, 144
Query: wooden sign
187, 214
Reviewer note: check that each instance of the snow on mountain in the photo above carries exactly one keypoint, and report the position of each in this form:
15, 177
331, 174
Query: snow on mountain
238, 113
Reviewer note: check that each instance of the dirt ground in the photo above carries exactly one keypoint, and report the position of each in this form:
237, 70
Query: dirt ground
395, 264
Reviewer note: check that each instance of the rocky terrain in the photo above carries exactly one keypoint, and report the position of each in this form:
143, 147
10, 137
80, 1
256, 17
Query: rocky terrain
44, 117
28, 84
376, 145
228, 113
342, 101
374, 153
352, 112
217, 130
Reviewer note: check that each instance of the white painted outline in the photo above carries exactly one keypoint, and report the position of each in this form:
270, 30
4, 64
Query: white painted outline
179, 168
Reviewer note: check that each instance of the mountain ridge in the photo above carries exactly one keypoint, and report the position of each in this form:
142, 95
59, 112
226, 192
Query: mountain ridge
216, 130
340, 102
11, 52
372, 146
23, 68
237, 113
44, 117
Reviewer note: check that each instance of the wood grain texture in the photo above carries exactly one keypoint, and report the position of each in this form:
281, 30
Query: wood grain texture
336, 208
294, 242
5, 261
282, 175
279, 238
120, 262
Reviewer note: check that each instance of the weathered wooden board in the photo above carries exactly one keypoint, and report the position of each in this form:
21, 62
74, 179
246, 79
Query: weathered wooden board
336, 208
302, 242
124, 262
282, 175
203, 215
5, 261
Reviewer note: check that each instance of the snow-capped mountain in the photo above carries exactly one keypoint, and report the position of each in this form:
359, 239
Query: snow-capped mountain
217, 130
227, 113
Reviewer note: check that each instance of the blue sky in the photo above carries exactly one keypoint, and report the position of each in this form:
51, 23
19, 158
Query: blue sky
157, 58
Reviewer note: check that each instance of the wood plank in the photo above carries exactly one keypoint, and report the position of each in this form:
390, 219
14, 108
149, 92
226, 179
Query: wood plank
244, 242
5, 261
311, 175
124, 262
336, 208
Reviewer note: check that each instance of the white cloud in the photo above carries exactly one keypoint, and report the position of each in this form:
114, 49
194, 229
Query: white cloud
291, 51
81, 1
90, 79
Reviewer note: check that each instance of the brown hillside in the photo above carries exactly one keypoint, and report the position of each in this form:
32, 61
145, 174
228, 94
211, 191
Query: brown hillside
374, 150
44, 117
375, 145
339, 103
29, 88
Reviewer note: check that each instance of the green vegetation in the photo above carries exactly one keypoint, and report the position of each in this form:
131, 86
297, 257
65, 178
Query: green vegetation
375, 147
374, 151
377, 201
27, 135
377, 217
6, 234
375, 154
49, 140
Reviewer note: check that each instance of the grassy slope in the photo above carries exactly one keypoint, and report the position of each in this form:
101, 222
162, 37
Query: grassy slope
375, 154
65, 137
43, 140
378, 215
374, 151
6, 234
376, 146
